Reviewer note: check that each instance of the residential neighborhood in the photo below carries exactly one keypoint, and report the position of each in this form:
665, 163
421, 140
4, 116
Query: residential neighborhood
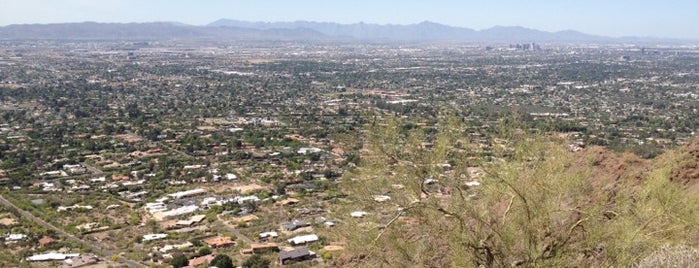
145, 154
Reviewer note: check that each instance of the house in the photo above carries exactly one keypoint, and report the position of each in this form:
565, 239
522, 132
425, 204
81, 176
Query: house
202, 228
75, 169
80, 261
49, 187
259, 248
307, 150
159, 216
120, 178
219, 241
168, 248
271, 234
294, 225
295, 255
62, 208
100, 179
15, 237
150, 237
54, 173
82, 187
88, 227
196, 262
188, 193
210, 201
52, 256
251, 198
191, 221
303, 239
193, 167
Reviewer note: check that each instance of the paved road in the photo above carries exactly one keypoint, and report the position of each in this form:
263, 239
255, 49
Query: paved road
236, 232
97, 249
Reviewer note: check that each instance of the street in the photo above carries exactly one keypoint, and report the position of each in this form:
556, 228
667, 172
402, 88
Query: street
107, 254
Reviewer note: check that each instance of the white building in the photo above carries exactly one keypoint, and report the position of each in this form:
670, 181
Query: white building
156, 207
62, 208
15, 237
188, 193
193, 167
151, 237
271, 234
303, 239
306, 150
251, 198
175, 212
52, 256
169, 248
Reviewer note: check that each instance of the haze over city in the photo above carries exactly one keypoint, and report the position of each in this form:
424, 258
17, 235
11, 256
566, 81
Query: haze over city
644, 18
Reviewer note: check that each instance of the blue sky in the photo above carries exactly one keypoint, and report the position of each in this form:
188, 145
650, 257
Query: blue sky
659, 18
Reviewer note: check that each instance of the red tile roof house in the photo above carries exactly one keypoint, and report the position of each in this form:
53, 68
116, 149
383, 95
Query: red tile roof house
200, 260
219, 241
258, 248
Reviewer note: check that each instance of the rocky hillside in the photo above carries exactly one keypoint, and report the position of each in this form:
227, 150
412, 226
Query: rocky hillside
686, 170
543, 207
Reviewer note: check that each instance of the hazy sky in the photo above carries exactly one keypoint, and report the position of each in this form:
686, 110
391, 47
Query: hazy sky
659, 18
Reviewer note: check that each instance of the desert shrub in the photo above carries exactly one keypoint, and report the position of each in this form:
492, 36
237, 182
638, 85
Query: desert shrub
538, 204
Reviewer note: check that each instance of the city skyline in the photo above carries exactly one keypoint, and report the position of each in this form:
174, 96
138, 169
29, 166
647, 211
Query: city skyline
608, 18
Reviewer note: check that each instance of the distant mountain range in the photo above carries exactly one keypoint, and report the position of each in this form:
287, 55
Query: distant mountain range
147, 31
225, 29
424, 31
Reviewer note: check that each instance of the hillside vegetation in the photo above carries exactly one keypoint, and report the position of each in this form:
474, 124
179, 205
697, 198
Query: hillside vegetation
538, 203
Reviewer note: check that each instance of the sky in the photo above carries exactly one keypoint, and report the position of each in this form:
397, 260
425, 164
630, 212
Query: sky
615, 18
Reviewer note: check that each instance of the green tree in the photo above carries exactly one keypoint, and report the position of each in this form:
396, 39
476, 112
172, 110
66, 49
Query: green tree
222, 261
256, 261
179, 260
204, 251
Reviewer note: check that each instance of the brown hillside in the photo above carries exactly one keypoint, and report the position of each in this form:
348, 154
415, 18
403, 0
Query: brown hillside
687, 169
607, 167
